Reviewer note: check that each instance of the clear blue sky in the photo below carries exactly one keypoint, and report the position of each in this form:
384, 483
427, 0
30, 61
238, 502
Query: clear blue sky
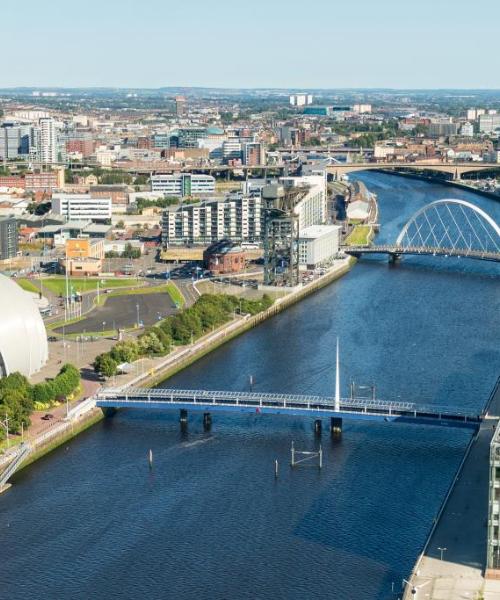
257, 43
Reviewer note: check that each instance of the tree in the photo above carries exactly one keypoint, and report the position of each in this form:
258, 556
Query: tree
131, 252
105, 365
149, 343
141, 180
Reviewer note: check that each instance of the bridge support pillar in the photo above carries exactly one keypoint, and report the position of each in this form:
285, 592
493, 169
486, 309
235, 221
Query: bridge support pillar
207, 421
394, 258
317, 426
108, 411
336, 425
183, 418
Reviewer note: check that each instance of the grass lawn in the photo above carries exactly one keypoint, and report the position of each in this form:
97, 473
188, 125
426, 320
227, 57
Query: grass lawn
57, 285
360, 236
28, 286
168, 288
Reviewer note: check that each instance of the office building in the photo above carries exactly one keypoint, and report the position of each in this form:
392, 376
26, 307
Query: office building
15, 141
187, 137
183, 184
47, 141
231, 150
8, 238
161, 140
81, 207
318, 244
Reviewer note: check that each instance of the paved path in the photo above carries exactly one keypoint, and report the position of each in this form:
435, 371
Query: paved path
462, 530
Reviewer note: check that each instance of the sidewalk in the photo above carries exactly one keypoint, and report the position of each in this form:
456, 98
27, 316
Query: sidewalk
462, 531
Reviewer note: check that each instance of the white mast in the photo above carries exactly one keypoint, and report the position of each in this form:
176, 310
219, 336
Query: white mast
337, 380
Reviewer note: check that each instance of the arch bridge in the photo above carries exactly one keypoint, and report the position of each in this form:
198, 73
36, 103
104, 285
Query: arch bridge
443, 228
456, 169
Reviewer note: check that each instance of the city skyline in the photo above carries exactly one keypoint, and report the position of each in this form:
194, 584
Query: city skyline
328, 45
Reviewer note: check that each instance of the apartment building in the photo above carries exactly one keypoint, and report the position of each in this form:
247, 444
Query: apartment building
237, 217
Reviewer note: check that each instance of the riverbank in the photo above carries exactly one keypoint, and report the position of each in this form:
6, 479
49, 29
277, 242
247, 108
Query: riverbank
459, 572
445, 182
155, 371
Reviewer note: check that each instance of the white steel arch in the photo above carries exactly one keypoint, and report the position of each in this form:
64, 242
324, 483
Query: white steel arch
427, 228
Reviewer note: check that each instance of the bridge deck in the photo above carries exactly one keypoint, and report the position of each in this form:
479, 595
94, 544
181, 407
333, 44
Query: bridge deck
426, 251
312, 406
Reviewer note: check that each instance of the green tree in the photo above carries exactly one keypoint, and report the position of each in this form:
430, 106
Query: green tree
105, 365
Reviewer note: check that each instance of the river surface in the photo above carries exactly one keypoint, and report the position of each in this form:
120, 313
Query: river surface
210, 521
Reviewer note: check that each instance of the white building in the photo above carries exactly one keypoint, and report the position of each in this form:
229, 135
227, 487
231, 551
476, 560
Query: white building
47, 141
237, 217
300, 99
23, 339
81, 207
467, 129
183, 184
311, 209
318, 244
362, 109
232, 149
489, 123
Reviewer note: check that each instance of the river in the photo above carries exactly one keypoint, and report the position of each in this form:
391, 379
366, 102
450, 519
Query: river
210, 521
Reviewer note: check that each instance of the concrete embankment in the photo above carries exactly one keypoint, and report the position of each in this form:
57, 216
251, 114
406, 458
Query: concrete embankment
459, 531
84, 415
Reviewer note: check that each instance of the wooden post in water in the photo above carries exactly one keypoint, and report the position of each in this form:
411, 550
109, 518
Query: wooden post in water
276, 467
293, 454
320, 457
150, 458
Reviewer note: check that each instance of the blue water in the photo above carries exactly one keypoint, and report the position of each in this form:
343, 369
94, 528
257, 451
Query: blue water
210, 520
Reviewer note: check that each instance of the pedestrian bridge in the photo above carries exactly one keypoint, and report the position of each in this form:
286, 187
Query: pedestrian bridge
443, 228
286, 404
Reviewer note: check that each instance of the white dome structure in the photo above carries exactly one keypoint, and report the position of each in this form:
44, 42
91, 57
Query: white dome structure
23, 339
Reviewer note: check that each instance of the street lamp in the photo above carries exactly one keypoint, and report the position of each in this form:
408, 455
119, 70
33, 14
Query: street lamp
138, 320
442, 551
103, 323
5, 425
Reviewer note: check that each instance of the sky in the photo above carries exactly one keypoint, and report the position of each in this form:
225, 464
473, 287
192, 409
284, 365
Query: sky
259, 43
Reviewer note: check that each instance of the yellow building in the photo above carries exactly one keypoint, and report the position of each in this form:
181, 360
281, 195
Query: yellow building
83, 257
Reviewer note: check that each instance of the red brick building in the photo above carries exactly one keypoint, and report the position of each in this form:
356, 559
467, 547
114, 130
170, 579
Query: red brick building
12, 181
224, 256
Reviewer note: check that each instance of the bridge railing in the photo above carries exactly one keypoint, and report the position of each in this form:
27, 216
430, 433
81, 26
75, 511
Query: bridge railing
285, 400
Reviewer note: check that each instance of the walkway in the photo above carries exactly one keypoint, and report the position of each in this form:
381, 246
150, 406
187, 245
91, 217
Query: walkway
462, 530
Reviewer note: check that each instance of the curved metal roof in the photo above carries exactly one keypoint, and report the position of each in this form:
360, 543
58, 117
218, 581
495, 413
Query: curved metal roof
23, 339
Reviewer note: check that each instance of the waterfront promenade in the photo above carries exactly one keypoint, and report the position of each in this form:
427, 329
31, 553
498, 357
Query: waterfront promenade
462, 530
147, 371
